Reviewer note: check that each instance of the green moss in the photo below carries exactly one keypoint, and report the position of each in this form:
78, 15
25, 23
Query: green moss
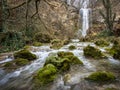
8, 64
16, 63
72, 47
21, 62
63, 60
115, 51
46, 75
101, 43
25, 54
63, 54
27, 47
101, 77
37, 44
56, 43
93, 52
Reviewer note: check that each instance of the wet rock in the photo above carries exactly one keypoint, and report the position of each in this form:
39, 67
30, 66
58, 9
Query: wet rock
101, 77
25, 54
45, 75
93, 52
102, 43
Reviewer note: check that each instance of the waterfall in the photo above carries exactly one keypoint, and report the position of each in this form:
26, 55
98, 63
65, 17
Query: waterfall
84, 12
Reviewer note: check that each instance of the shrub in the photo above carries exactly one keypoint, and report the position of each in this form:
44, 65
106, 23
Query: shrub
72, 47
101, 77
25, 54
93, 52
101, 43
42, 37
46, 75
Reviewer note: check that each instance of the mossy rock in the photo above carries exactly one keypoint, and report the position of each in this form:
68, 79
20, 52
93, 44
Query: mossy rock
25, 54
45, 75
115, 51
42, 37
37, 44
101, 77
61, 64
72, 47
102, 43
8, 64
21, 61
56, 43
63, 60
93, 52
63, 54
16, 63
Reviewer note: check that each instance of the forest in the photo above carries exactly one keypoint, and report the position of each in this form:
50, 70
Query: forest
59, 44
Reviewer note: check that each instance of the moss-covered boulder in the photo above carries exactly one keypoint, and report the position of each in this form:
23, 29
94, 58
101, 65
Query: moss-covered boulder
16, 62
63, 60
102, 43
115, 51
45, 75
72, 47
101, 77
56, 43
37, 44
21, 62
92, 52
43, 37
63, 54
25, 54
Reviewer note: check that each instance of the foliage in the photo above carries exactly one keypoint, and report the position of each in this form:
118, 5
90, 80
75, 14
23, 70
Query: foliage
93, 52
101, 77
25, 54
101, 42
45, 75
105, 33
11, 41
72, 47
42, 37
109, 16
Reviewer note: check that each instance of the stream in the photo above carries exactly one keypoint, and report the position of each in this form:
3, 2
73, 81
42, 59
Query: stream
21, 78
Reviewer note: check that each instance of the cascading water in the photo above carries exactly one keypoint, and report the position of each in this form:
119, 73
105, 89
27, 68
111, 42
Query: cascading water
84, 11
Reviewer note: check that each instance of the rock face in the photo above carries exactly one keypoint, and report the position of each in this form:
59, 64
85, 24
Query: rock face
54, 16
